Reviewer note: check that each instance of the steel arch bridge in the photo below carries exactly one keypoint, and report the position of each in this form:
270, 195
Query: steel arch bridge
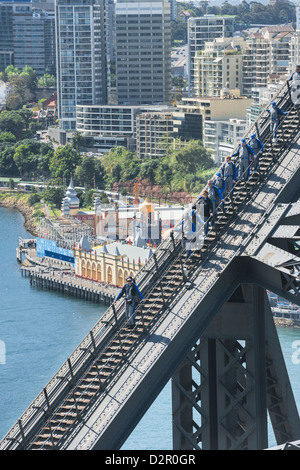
205, 322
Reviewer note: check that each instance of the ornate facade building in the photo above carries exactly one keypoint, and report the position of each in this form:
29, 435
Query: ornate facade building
110, 263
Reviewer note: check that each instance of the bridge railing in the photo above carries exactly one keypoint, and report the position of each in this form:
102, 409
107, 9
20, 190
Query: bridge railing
82, 356
103, 332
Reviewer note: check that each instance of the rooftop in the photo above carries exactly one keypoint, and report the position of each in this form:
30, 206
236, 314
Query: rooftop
131, 252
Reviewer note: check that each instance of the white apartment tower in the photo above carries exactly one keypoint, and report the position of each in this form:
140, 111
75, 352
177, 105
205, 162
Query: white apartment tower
266, 57
203, 29
81, 57
218, 68
143, 52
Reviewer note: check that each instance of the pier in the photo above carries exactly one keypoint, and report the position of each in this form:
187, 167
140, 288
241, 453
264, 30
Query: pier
24, 246
68, 284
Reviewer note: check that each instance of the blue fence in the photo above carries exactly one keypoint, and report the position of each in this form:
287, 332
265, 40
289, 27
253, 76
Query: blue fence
49, 248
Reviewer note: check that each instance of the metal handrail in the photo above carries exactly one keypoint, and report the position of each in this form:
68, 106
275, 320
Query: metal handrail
81, 357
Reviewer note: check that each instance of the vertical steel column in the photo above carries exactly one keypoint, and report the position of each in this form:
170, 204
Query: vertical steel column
189, 390
220, 391
182, 407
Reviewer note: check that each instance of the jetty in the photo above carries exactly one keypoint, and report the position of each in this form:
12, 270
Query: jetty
58, 276
67, 283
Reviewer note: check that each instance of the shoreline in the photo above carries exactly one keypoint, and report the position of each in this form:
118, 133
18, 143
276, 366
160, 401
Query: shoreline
12, 202
15, 203
286, 322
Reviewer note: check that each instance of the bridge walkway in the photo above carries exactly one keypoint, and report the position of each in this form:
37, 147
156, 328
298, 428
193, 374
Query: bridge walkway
104, 388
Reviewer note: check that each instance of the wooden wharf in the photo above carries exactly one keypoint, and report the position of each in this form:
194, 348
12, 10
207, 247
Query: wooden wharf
68, 284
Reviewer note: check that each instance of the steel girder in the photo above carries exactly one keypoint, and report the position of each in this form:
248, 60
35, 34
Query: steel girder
233, 375
224, 363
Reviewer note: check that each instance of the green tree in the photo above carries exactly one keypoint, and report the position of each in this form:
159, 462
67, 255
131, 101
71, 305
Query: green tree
25, 159
47, 80
30, 78
164, 173
190, 158
53, 195
7, 137
183, 165
15, 121
10, 71
120, 165
12, 121
148, 170
90, 173
64, 162
8, 166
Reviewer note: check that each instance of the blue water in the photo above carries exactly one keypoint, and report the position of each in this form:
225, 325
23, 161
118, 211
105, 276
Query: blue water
41, 329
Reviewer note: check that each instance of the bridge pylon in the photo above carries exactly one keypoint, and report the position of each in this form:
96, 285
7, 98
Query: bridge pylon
232, 379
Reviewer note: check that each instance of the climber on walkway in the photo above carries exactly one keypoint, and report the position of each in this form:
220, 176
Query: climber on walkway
132, 296
275, 115
245, 154
257, 148
229, 173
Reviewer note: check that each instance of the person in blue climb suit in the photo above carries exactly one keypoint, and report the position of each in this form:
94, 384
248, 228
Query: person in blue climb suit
257, 148
219, 183
208, 209
275, 115
132, 296
229, 173
215, 196
245, 154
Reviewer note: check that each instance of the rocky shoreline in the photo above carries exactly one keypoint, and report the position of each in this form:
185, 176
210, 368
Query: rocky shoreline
27, 212
286, 322
30, 225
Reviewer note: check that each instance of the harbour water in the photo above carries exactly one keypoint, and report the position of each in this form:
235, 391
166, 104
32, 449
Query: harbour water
40, 329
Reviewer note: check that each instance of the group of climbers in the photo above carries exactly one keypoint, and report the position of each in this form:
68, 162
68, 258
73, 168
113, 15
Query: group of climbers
221, 186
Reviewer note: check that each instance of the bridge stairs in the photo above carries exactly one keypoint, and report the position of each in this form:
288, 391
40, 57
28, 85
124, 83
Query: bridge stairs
206, 314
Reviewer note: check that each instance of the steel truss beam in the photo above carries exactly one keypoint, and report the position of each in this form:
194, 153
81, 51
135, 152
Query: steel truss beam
231, 378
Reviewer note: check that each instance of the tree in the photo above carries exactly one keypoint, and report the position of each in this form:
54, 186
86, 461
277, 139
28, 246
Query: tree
47, 80
12, 121
8, 166
7, 137
53, 195
64, 162
77, 140
183, 166
190, 158
120, 165
30, 78
90, 173
147, 170
10, 71
25, 159
164, 173
15, 121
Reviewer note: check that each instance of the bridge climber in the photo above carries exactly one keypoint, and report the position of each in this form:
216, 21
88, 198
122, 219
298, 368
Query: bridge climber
205, 323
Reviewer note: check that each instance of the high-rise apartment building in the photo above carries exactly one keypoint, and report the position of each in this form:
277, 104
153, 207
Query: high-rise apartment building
154, 132
266, 57
81, 57
203, 29
295, 51
27, 36
218, 67
143, 52
6, 36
